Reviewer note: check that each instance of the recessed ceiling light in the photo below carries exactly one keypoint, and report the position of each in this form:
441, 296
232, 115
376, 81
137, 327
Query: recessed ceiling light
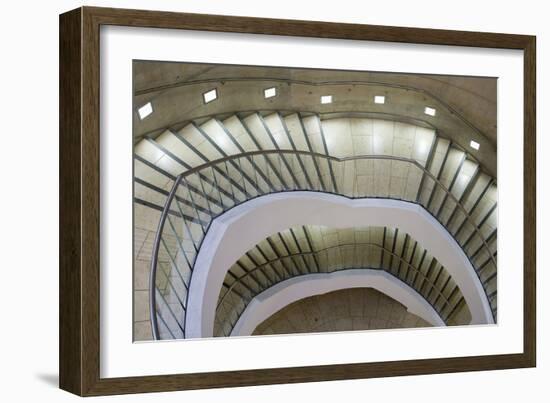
379, 99
429, 111
474, 145
210, 96
270, 92
145, 110
326, 99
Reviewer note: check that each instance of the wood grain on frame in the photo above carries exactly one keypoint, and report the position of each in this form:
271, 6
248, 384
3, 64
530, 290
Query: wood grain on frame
79, 200
70, 274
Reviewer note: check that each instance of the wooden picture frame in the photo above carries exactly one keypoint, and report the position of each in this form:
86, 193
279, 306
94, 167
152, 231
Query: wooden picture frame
80, 187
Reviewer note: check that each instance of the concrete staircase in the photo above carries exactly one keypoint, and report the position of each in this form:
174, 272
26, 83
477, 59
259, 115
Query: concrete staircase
316, 249
259, 154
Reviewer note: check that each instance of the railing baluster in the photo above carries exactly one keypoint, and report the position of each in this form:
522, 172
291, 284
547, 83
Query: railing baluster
242, 151
428, 166
259, 147
395, 235
186, 225
451, 185
472, 209
293, 145
282, 156
194, 204
165, 325
206, 195
174, 157
178, 240
174, 264
174, 316
236, 200
419, 267
410, 260
218, 187
441, 169
167, 174
432, 287
383, 246
194, 149
245, 269
306, 137
325, 147
403, 252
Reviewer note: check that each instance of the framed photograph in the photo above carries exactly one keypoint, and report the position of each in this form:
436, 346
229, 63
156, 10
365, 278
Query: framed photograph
249, 201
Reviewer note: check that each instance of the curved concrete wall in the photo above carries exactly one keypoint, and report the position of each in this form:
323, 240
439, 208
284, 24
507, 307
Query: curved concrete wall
232, 234
286, 292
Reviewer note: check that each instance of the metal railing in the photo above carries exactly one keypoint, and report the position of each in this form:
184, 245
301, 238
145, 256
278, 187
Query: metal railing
202, 193
426, 289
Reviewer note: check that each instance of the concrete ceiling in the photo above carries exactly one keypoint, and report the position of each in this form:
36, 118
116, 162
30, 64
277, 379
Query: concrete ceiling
466, 106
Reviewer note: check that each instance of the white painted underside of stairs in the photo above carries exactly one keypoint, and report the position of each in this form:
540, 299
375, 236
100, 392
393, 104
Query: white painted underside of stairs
238, 230
293, 289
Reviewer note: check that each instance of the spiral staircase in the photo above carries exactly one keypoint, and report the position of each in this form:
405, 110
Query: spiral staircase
186, 178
